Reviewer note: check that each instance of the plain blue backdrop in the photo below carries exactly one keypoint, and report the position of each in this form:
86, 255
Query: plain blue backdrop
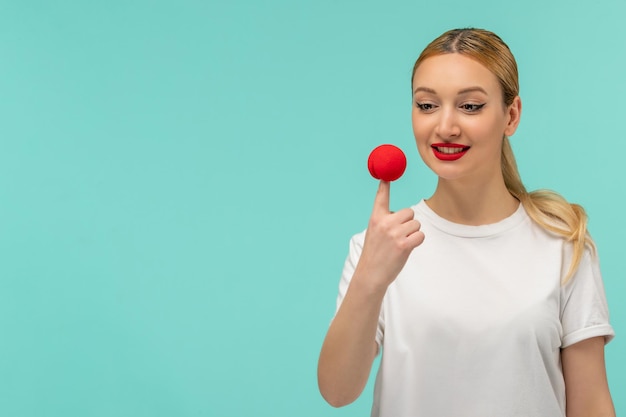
179, 181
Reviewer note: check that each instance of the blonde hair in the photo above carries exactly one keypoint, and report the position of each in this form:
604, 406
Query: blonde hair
548, 209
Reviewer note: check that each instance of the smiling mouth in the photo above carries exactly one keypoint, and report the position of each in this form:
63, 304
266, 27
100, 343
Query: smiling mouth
449, 151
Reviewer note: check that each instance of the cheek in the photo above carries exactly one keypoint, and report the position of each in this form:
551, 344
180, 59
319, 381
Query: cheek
420, 127
485, 128
421, 132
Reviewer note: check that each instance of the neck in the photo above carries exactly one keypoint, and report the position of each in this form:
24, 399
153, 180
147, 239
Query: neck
475, 203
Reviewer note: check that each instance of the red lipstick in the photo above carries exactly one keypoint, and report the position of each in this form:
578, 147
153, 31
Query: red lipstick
449, 151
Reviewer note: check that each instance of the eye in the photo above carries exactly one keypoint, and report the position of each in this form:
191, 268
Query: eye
472, 108
425, 107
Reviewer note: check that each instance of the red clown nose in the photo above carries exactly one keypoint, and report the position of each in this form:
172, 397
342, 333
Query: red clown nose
387, 163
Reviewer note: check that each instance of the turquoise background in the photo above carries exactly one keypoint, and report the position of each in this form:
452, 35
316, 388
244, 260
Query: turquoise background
179, 181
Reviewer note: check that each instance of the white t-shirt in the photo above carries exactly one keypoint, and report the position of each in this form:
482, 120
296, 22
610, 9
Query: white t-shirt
474, 324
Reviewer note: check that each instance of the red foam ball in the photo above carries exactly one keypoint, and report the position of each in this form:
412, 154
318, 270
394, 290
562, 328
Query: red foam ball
386, 162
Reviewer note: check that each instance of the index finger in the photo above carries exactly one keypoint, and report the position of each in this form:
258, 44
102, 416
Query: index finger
381, 201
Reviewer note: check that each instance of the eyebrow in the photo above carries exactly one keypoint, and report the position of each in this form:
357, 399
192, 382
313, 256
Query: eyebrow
463, 91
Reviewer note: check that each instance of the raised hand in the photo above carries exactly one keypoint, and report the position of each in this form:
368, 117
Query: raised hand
389, 240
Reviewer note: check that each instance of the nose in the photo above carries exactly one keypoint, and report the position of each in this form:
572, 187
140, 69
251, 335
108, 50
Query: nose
447, 125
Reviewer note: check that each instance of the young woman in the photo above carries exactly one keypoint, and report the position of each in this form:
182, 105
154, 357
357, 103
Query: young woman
485, 300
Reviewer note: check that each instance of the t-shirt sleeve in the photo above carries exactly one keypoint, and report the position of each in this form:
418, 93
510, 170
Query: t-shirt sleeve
356, 247
584, 309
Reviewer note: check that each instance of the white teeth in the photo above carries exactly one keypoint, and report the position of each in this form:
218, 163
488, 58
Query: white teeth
449, 150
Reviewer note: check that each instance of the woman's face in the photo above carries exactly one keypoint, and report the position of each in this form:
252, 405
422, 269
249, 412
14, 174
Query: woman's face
459, 118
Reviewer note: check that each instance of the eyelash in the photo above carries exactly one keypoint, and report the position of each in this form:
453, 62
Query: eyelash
473, 108
470, 108
423, 106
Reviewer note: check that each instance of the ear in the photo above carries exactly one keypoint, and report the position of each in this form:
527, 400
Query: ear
514, 112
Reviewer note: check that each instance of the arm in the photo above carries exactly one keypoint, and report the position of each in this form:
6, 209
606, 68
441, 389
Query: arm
586, 386
350, 347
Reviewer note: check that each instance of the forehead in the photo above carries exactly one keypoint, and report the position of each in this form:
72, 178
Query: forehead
454, 72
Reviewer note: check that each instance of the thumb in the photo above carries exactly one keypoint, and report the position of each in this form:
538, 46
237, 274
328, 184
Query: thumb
381, 201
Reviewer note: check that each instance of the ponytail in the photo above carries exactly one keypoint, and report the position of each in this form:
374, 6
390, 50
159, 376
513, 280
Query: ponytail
549, 210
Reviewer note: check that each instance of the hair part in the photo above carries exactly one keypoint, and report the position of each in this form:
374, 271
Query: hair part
546, 208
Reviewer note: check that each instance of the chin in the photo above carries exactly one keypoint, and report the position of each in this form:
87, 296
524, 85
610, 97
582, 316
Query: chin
445, 170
